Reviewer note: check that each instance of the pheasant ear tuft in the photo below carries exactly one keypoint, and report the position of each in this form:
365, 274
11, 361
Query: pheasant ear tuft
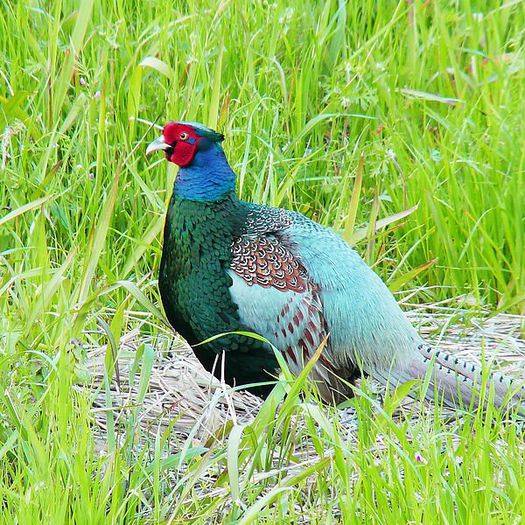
210, 134
204, 131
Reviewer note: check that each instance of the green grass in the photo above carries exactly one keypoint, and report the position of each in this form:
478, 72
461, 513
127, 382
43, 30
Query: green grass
430, 97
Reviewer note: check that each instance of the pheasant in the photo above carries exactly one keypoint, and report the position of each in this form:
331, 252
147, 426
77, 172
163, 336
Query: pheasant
232, 266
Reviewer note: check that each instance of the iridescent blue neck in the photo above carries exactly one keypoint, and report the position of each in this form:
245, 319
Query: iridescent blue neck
208, 178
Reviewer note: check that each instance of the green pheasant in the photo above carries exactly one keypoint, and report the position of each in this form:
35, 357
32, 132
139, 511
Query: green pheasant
232, 266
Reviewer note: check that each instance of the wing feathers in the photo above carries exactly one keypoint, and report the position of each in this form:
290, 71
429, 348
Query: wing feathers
296, 281
266, 262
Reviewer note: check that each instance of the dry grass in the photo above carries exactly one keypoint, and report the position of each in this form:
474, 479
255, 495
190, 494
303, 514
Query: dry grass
182, 394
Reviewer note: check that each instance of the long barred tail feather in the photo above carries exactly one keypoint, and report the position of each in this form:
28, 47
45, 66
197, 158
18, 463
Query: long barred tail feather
457, 381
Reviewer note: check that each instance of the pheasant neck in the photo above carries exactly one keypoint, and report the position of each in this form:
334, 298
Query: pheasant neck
208, 178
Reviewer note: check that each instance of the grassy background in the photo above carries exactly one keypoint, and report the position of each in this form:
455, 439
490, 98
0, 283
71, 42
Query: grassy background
432, 97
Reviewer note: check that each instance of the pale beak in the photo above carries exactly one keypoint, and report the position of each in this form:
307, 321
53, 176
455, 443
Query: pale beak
157, 145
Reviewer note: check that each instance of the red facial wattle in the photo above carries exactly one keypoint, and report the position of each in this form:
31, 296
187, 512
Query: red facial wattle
183, 141
183, 153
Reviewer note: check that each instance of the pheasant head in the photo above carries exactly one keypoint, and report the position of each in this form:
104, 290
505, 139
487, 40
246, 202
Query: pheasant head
204, 174
181, 141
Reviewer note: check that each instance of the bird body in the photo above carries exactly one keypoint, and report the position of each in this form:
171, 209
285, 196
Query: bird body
232, 266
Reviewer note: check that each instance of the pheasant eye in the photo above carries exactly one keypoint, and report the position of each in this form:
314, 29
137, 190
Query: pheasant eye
183, 136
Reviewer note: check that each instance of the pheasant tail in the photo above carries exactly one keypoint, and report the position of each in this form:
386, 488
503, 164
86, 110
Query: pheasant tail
457, 381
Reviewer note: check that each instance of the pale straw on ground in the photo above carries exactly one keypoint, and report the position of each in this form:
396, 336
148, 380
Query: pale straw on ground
182, 394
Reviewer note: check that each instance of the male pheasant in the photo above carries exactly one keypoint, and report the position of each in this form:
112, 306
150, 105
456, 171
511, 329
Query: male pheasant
232, 266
